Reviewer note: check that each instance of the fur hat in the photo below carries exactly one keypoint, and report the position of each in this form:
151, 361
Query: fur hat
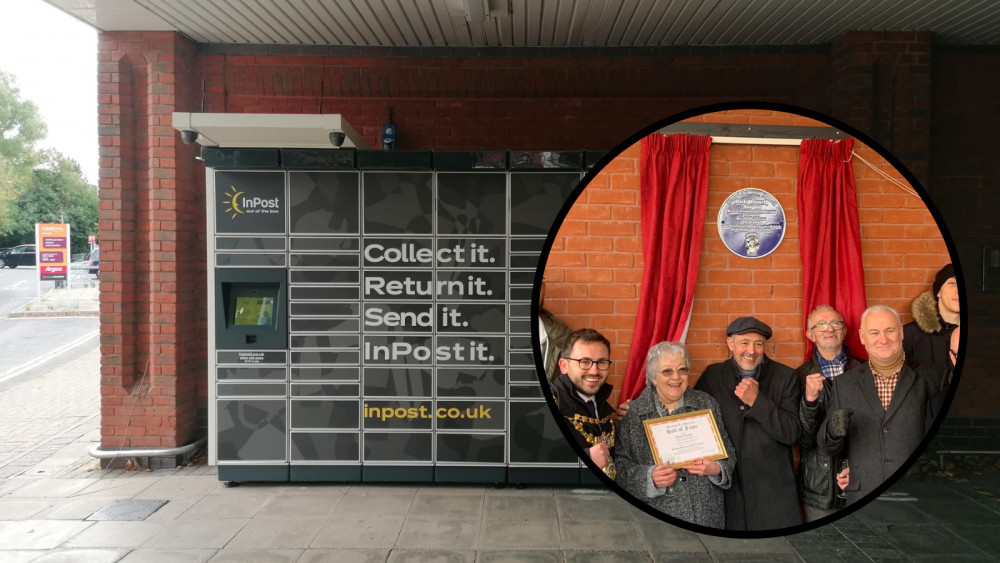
942, 276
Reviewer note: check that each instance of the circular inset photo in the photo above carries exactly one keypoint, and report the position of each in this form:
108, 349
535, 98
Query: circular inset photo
748, 320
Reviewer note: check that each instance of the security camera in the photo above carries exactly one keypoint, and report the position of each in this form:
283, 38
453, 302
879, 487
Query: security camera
188, 136
337, 138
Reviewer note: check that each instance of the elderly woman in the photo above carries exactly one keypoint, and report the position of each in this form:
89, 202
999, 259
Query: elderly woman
692, 492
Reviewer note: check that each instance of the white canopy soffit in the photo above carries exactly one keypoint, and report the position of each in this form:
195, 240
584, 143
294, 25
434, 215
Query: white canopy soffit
267, 130
541, 23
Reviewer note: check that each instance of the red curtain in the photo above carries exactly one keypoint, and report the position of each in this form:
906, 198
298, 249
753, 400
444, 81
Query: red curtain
830, 236
674, 191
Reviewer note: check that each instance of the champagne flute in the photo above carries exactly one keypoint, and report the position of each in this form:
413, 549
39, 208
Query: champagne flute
844, 464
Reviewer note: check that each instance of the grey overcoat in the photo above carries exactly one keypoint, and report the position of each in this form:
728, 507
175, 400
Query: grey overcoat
878, 441
691, 498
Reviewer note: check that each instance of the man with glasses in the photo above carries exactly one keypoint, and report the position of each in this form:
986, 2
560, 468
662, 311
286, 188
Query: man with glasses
759, 400
830, 358
581, 391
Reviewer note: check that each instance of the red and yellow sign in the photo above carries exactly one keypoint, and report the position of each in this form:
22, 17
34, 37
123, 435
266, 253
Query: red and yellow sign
53, 250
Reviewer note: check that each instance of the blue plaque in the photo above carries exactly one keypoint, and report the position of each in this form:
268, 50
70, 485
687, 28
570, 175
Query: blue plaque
751, 223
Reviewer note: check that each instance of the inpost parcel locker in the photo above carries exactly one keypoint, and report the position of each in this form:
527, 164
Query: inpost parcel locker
372, 315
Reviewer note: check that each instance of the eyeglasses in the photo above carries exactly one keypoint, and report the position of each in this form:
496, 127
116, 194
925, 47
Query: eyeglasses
668, 373
953, 352
836, 325
587, 363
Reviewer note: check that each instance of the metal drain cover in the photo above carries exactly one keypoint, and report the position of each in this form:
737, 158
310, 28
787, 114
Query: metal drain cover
127, 510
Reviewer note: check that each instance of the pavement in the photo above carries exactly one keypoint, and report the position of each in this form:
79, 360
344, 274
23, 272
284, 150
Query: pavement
81, 299
57, 505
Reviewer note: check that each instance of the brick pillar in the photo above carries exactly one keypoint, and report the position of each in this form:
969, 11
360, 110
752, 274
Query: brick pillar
152, 238
882, 86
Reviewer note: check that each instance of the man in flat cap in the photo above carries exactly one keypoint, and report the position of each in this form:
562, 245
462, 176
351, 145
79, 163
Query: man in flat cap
759, 400
935, 317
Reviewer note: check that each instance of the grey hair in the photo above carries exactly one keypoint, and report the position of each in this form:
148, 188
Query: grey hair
880, 308
660, 350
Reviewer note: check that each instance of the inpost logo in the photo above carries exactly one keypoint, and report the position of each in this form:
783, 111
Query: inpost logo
239, 205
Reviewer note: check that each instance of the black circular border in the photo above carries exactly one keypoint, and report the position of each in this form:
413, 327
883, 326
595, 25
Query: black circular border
653, 128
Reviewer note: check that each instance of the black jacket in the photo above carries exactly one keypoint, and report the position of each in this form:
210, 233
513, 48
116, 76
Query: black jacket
763, 495
587, 430
926, 338
817, 471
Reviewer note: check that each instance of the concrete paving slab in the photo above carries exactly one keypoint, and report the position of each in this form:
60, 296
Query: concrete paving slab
368, 503
51, 488
116, 534
542, 533
446, 507
74, 508
917, 542
670, 557
421, 556
296, 533
420, 533
585, 535
355, 530
117, 488
984, 538
12, 484
21, 509
212, 534
606, 557
169, 555
301, 506
518, 507
223, 506
520, 556
771, 546
596, 506
452, 490
186, 488
39, 534
757, 558
257, 556
658, 536
20, 555
78, 555
313, 488
885, 512
344, 555
170, 511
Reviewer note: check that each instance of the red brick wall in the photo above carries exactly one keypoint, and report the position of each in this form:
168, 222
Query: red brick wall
965, 169
152, 224
152, 189
505, 102
594, 272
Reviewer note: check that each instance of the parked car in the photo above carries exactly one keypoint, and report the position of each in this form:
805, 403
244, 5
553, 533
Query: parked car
23, 255
93, 261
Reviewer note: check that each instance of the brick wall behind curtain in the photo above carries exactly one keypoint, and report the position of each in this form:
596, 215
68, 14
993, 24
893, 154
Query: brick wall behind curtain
595, 268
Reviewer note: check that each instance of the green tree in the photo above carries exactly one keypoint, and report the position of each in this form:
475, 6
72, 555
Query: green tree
20, 126
38, 186
57, 193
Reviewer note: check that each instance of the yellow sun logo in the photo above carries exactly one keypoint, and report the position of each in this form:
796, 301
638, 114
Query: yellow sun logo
233, 202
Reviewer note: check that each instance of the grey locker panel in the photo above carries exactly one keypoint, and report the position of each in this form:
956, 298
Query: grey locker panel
403, 447
252, 430
326, 446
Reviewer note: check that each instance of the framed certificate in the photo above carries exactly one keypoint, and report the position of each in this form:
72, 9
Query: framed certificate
682, 438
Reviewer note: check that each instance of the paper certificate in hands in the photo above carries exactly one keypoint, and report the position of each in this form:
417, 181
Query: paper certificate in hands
682, 438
